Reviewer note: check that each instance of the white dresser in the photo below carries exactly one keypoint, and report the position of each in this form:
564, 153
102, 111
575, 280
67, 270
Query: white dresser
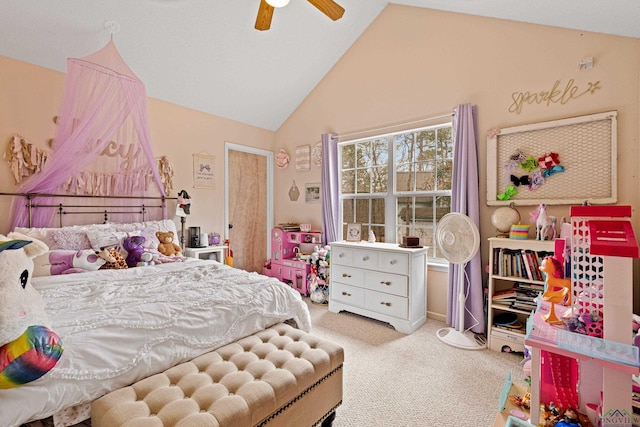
380, 280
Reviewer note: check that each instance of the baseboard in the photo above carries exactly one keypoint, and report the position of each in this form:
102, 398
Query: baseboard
437, 316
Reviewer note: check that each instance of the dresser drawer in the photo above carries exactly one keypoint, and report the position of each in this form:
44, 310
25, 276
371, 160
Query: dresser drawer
365, 259
342, 256
347, 275
347, 294
390, 305
393, 262
387, 283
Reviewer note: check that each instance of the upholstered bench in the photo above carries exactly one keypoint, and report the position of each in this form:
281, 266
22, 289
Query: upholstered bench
277, 377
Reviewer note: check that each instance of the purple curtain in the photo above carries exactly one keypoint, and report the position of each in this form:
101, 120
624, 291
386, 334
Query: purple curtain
465, 199
102, 143
330, 188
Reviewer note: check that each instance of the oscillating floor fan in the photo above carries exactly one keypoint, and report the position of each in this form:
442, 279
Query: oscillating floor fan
458, 238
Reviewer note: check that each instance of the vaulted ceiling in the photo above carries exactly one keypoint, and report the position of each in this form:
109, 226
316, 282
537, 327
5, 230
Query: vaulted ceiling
206, 54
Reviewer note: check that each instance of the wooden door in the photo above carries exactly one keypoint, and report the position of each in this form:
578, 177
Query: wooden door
248, 193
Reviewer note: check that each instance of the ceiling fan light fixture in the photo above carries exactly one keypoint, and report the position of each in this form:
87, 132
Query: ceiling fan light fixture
278, 3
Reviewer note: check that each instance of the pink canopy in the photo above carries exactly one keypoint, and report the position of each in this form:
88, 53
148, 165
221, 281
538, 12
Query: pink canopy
102, 143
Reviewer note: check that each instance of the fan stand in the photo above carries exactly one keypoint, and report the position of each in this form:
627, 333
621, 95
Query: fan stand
457, 337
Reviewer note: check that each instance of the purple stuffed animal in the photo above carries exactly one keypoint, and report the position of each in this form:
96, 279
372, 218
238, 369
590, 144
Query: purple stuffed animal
134, 247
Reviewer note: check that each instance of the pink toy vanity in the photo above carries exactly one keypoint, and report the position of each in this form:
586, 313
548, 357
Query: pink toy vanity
286, 250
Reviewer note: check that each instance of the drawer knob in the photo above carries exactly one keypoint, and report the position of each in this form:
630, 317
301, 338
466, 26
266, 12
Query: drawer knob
341, 255
386, 283
388, 304
393, 261
346, 294
346, 275
365, 258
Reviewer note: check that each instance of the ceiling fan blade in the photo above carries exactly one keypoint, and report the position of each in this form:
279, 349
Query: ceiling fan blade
265, 13
329, 7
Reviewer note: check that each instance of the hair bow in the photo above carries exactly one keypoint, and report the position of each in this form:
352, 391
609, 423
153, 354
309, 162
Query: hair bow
554, 169
549, 160
520, 180
205, 167
529, 164
509, 193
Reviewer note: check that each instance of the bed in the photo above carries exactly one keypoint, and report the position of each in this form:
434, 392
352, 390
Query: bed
120, 326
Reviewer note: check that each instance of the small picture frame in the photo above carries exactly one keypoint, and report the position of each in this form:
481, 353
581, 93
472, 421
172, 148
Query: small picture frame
312, 193
353, 232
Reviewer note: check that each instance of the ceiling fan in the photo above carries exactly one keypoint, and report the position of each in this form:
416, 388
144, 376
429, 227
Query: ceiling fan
263, 21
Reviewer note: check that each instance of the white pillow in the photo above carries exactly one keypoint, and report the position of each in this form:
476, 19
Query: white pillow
106, 239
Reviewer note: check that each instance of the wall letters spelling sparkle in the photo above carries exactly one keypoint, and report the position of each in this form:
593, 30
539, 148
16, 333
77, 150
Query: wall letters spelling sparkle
556, 95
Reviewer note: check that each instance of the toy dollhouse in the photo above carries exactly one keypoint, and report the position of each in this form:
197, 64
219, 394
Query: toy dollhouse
590, 372
287, 257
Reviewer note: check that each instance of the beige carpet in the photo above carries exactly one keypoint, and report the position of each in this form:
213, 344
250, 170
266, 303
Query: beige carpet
392, 379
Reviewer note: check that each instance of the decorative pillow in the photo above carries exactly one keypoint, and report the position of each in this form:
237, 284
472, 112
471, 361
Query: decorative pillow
107, 239
69, 238
119, 262
62, 261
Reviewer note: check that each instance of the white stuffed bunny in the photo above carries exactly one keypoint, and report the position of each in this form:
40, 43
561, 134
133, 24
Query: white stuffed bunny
28, 348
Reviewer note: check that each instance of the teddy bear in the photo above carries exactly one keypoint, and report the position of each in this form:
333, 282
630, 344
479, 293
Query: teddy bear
28, 348
167, 246
134, 245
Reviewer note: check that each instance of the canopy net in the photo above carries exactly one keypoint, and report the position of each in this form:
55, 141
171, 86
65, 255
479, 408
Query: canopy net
102, 144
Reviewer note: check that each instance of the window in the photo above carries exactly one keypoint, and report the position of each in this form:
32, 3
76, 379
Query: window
398, 184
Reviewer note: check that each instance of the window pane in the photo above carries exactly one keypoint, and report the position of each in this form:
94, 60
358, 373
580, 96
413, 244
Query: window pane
377, 212
347, 211
425, 176
379, 232
362, 211
443, 206
363, 158
426, 145
364, 181
444, 173
379, 152
348, 156
445, 143
424, 210
379, 176
348, 182
404, 178
405, 145
405, 210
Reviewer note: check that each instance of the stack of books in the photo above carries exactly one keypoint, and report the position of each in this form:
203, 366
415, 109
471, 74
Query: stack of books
521, 296
504, 297
289, 227
520, 263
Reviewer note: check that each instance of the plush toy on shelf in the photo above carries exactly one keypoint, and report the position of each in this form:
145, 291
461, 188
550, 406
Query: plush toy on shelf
28, 348
167, 246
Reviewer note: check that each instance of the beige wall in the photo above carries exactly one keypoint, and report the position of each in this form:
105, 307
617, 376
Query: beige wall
411, 63
30, 97
414, 63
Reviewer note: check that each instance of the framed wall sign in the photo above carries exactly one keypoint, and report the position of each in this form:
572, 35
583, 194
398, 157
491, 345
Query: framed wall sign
203, 171
312, 193
303, 158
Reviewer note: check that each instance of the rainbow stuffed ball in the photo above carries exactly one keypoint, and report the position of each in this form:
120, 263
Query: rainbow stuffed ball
29, 357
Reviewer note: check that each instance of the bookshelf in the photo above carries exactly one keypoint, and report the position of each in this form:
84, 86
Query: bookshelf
514, 280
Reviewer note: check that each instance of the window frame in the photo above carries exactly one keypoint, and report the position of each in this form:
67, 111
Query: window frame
391, 196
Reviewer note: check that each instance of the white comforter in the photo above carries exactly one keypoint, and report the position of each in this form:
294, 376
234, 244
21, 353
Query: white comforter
118, 326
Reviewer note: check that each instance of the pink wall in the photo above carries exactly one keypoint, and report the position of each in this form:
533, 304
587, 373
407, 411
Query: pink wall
30, 98
414, 63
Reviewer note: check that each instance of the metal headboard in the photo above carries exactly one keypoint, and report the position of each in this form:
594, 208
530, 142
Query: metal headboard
142, 209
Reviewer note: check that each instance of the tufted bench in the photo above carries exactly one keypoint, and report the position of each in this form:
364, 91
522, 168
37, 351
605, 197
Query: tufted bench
280, 376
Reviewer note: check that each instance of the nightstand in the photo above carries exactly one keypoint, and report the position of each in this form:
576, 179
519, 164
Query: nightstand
204, 253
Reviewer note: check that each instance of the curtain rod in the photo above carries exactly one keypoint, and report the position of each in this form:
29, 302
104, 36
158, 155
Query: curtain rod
396, 125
